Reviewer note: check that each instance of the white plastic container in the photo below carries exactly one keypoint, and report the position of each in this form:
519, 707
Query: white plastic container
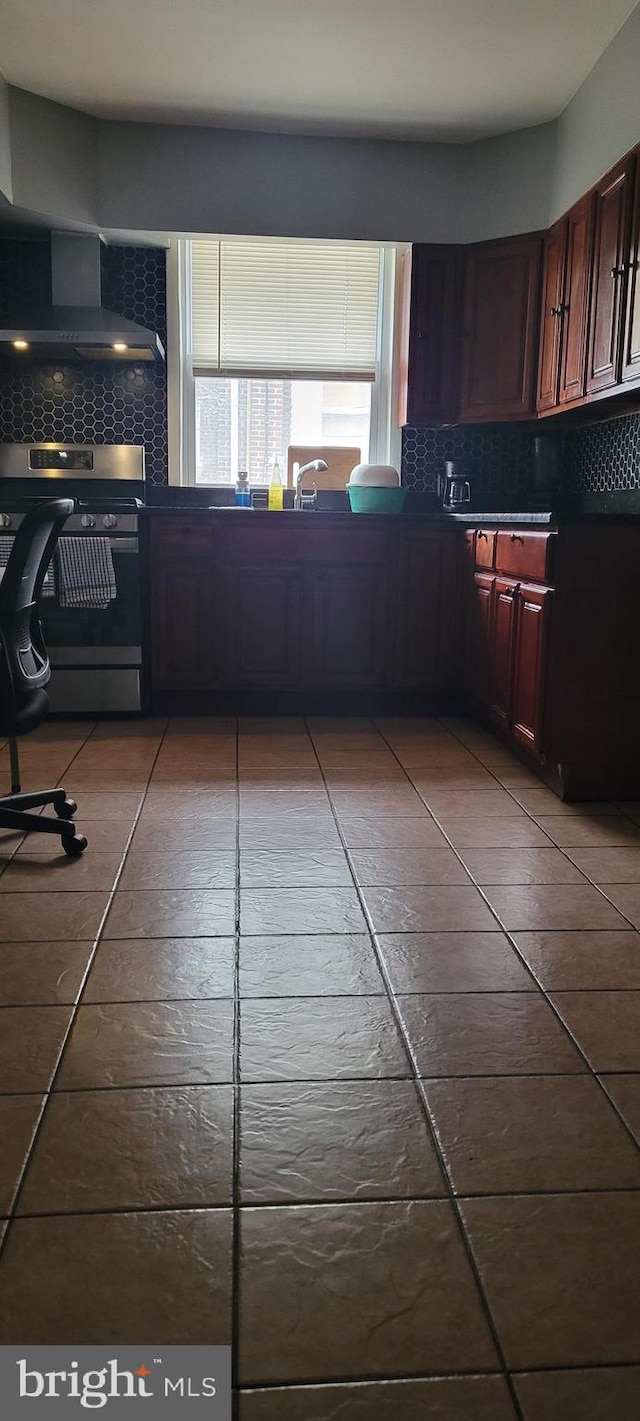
374, 476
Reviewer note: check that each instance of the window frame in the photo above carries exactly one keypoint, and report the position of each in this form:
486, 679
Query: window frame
385, 436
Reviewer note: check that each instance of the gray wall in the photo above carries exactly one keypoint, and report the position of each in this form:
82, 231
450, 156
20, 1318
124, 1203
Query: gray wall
132, 177
213, 180
602, 121
69, 169
506, 184
6, 189
206, 180
54, 159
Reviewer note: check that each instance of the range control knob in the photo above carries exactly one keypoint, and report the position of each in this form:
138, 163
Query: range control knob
109, 521
87, 521
5, 520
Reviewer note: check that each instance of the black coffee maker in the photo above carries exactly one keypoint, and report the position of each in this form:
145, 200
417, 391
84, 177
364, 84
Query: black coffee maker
457, 489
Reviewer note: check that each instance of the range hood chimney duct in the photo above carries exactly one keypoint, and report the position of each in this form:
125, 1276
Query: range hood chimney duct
75, 269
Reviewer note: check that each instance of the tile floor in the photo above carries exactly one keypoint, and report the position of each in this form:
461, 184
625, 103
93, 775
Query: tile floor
329, 1047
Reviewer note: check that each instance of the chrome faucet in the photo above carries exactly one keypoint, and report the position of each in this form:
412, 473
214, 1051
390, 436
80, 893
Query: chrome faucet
299, 501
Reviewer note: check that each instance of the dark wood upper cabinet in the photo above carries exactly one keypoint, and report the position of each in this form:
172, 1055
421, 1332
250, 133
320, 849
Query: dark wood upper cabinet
483, 337
631, 349
429, 332
500, 329
553, 269
613, 197
565, 308
575, 300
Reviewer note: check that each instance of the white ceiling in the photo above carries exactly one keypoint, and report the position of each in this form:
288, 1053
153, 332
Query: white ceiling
451, 70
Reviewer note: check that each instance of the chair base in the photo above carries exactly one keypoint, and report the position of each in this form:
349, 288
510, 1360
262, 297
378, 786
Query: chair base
14, 814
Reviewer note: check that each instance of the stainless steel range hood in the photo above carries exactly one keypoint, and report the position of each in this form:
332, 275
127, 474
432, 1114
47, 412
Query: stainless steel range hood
77, 325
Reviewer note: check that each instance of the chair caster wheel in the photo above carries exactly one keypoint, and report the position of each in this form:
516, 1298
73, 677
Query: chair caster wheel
74, 845
67, 809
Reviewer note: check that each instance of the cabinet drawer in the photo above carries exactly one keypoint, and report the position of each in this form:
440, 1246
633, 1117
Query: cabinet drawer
485, 548
527, 555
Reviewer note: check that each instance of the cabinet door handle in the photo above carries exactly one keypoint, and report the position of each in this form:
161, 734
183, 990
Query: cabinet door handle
617, 271
555, 310
516, 537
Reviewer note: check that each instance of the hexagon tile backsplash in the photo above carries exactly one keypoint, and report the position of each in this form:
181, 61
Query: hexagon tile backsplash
600, 458
102, 403
604, 457
496, 458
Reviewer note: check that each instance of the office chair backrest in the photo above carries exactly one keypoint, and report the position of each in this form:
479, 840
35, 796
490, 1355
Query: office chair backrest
24, 666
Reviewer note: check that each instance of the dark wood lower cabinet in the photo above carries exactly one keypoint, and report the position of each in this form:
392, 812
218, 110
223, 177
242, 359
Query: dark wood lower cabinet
501, 651
423, 601
554, 669
347, 629
185, 641
514, 651
315, 606
263, 607
507, 647
477, 638
531, 630
365, 614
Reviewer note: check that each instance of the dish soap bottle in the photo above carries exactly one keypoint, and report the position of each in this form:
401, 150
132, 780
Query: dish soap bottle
243, 492
276, 491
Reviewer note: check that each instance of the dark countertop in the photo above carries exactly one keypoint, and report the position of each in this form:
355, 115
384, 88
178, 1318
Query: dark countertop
621, 508
318, 515
548, 521
438, 519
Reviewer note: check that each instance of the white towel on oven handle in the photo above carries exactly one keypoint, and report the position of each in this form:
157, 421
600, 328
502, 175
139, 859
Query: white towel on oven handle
86, 575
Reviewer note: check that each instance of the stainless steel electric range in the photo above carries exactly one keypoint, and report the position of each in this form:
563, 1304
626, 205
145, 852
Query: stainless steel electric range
95, 652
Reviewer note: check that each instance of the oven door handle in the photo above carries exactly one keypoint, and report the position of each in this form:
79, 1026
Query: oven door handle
123, 545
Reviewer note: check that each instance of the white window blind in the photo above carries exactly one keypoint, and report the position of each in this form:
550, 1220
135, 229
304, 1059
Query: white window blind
261, 307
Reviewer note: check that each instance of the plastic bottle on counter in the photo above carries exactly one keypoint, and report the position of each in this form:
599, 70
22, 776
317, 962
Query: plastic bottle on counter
243, 492
276, 491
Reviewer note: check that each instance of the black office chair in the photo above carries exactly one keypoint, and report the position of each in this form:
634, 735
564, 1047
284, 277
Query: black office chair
25, 670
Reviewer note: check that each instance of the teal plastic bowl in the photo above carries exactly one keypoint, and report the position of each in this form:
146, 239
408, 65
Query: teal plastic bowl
363, 498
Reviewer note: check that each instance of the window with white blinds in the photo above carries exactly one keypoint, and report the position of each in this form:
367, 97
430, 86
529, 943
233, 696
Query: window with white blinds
267, 308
